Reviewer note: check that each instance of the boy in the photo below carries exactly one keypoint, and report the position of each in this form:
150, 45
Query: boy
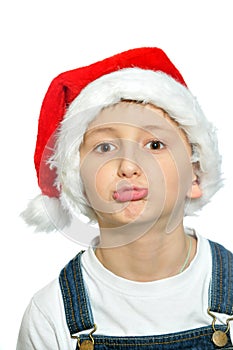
125, 143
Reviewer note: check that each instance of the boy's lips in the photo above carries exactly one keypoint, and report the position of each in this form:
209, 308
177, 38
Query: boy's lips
130, 193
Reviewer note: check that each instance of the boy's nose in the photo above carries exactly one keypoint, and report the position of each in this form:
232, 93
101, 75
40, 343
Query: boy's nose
128, 169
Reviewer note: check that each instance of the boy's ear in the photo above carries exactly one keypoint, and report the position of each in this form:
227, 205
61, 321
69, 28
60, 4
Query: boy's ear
195, 190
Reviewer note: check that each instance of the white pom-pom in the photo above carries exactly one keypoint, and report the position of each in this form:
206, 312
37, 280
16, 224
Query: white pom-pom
46, 214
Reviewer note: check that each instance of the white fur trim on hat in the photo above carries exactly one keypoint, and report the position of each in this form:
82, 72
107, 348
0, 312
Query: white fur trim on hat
46, 214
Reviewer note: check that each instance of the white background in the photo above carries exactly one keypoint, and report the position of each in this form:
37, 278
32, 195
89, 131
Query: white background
40, 39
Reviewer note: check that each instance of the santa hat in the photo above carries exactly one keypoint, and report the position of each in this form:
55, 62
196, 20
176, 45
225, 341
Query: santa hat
74, 99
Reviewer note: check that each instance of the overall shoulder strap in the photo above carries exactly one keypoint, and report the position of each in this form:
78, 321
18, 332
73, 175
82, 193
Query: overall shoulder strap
76, 303
221, 292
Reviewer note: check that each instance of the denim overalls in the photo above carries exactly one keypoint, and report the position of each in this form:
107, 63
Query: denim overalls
79, 314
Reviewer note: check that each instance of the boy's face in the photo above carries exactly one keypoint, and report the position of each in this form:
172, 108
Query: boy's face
135, 167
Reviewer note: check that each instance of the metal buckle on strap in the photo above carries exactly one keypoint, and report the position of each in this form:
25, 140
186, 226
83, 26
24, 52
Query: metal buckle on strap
219, 338
86, 344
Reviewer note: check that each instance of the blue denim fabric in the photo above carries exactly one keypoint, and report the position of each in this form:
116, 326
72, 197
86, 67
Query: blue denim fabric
76, 302
198, 339
79, 315
221, 290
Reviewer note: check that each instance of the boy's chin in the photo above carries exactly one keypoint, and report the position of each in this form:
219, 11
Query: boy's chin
134, 214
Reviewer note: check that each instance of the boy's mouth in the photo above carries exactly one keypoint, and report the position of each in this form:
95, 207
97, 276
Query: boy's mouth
130, 193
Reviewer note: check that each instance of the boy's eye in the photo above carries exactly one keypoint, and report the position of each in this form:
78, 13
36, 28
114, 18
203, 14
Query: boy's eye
154, 145
105, 147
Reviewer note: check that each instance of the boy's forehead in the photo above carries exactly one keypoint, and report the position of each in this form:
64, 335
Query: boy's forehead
144, 116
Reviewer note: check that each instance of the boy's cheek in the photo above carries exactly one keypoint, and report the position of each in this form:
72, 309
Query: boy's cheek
99, 186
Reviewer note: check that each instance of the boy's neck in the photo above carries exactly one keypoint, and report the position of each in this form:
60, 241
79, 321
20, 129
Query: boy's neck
154, 256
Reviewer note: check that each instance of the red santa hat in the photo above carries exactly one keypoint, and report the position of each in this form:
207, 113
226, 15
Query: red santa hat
75, 97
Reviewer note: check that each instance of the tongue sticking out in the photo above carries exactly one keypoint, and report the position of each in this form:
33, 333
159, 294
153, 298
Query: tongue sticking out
130, 194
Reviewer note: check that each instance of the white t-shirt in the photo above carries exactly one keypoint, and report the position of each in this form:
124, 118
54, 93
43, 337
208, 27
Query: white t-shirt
124, 308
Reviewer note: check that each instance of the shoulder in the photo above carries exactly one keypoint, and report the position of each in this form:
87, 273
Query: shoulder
44, 324
48, 301
222, 258
51, 289
214, 247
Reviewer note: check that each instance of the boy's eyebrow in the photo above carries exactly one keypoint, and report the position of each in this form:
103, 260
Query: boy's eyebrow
109, 129
99, 130
153, 126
